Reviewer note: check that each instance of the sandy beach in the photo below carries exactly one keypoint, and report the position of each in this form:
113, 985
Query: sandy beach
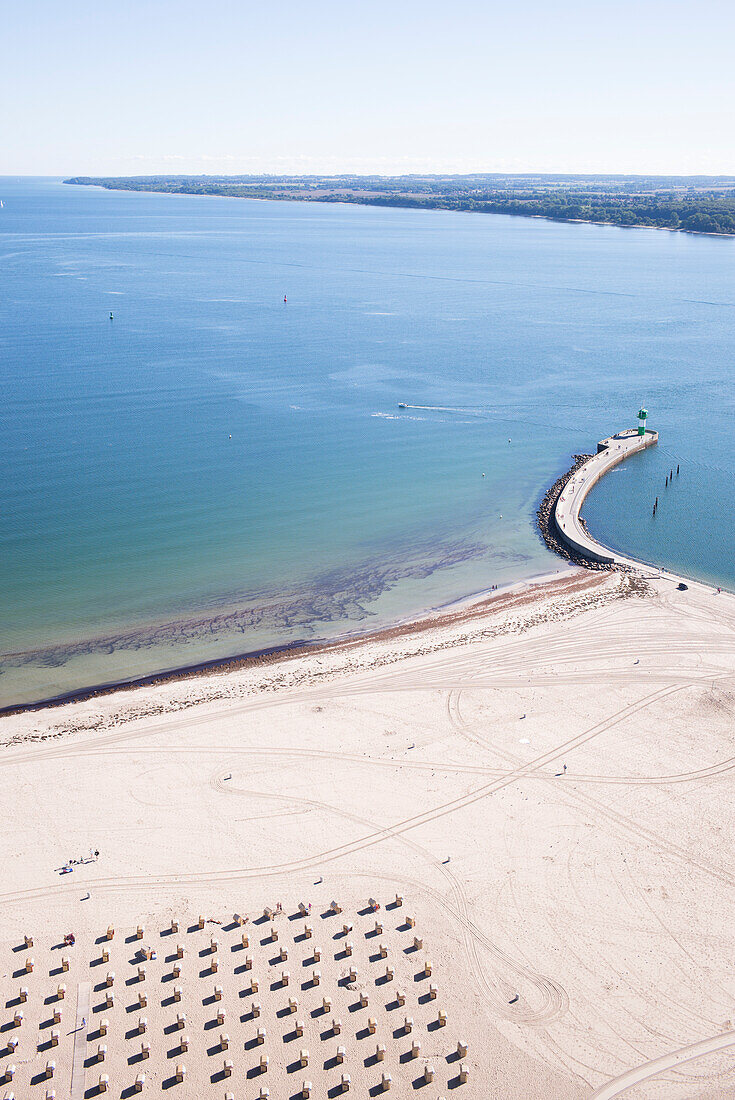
539, 777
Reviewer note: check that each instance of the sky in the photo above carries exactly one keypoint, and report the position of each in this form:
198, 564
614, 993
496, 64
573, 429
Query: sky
172, 86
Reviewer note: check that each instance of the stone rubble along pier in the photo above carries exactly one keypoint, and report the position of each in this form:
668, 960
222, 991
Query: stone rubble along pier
559, 519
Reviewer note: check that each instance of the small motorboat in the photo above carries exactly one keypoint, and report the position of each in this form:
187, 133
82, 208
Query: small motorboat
401, 405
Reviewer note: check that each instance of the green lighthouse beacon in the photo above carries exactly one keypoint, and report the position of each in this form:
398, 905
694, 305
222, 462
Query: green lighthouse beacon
642, 416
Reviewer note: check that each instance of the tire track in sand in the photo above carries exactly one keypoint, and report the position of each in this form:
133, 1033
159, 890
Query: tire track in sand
657, 1066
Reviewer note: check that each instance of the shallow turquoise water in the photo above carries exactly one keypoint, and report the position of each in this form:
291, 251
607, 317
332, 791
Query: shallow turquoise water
137, 535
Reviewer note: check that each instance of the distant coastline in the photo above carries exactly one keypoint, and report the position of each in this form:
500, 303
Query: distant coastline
687, 204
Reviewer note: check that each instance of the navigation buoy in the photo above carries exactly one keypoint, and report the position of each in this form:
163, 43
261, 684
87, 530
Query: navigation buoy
285, 298
111, 317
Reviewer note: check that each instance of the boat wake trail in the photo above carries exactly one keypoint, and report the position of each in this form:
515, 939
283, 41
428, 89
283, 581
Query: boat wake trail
476, 411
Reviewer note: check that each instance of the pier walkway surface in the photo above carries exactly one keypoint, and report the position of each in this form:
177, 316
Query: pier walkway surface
610, 452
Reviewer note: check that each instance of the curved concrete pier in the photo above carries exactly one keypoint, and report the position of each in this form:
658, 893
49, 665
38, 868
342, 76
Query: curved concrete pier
569, 525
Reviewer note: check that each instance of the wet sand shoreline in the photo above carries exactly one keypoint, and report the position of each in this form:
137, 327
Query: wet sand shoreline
458, 611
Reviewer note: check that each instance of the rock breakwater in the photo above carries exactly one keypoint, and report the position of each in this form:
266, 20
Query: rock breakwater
545, 517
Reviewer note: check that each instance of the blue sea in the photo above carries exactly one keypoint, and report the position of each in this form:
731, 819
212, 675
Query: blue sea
216, 470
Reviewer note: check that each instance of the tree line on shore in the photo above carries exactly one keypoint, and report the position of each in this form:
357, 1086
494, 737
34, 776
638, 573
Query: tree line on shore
691, 204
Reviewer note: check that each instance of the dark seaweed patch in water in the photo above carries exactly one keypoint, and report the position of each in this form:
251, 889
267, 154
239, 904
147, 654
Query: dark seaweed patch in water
336, 596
